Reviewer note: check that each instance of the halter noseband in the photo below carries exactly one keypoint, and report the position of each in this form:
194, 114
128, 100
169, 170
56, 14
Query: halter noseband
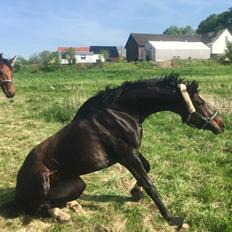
207, 120
192, 110
5, 81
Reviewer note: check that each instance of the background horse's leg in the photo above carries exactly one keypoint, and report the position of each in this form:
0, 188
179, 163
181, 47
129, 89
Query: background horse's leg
137, 191
65, 189
135, 166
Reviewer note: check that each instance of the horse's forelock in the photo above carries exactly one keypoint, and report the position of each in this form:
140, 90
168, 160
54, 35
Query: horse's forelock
193, 87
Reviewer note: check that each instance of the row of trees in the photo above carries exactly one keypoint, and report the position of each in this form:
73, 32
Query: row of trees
213, 23
46, 58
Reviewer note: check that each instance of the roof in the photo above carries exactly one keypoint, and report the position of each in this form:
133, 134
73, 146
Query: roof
178, 45
77, 49
211, 36
141, 38
113, 51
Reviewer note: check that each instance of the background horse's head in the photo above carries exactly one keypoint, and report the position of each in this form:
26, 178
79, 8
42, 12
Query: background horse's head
200, 114
6, 77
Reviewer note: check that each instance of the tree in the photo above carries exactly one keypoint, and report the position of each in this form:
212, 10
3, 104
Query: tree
47, 58
105, 53
121, 52
228, 52
216, 22
208, 25
188, 30
69, 54
34, 59
44, 58
55, 58
19, 63
174, 30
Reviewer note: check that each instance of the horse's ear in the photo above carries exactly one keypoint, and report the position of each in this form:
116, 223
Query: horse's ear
1, 60
11, 60
193, 87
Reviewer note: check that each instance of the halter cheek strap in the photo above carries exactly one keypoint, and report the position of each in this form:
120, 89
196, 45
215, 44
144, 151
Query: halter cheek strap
192, 110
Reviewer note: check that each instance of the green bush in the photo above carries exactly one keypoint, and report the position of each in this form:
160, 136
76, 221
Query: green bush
59, 111
228, 52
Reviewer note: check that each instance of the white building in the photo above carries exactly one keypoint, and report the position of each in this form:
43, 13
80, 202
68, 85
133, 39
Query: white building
217, 41
168, 50
82, 55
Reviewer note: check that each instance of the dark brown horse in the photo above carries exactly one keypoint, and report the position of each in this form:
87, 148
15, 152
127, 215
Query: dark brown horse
6, 77
106, 130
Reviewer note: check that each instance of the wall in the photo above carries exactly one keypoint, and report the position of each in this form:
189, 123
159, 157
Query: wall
131, 50
161, 54
86, 58
181, 54
219, 46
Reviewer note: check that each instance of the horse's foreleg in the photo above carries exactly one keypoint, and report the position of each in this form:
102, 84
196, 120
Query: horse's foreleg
135, 166
137, 191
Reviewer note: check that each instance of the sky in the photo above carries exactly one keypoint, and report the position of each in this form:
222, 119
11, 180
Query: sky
30, 26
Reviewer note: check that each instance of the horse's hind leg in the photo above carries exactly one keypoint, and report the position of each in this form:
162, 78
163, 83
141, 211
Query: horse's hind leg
137, 191
65, 189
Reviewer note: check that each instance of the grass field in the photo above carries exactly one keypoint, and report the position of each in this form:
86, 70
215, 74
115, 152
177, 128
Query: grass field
192, 169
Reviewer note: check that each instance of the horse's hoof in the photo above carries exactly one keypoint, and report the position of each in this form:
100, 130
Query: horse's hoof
75, 206
177, 221
60, 215
136, 193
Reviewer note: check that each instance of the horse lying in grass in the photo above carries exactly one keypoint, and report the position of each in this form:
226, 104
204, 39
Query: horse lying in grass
106, 130
6, 76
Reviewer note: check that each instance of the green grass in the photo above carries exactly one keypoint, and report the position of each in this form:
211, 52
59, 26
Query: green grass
191, 168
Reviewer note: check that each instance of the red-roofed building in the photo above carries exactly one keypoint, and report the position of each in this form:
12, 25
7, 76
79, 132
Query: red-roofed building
77, 49
82, 55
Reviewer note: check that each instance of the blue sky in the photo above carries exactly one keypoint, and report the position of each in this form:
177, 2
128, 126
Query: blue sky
31, 26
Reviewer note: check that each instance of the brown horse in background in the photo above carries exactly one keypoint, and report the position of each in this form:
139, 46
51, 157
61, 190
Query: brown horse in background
106, 130
6, 76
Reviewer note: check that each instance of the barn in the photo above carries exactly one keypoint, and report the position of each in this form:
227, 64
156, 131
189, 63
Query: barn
136, 43
168, 50
216, 41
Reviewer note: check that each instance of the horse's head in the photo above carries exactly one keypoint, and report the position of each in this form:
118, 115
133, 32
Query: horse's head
199, 113
6, 77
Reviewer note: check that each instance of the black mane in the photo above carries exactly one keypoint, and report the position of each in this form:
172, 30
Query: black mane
7, 62
110, 94
168, 81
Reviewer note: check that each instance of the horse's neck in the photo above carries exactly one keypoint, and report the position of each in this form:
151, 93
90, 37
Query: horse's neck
148, 101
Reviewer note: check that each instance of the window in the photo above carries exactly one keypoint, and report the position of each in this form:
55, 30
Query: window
83, 57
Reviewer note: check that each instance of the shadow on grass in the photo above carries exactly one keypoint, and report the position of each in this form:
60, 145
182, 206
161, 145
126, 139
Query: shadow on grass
105, 198
10, 209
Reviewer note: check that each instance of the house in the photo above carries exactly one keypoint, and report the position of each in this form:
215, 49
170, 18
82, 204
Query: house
168, 50
82, 55
110, 52
136, 43
217, 41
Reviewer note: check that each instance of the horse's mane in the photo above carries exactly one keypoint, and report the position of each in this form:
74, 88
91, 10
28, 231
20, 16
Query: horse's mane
171, 81
7, 62
110, 94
